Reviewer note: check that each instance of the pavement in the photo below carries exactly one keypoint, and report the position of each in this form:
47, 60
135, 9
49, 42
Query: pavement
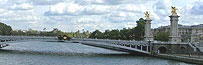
200, 46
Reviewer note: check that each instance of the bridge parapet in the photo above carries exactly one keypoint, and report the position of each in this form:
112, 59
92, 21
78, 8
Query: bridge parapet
138, 45
114, 41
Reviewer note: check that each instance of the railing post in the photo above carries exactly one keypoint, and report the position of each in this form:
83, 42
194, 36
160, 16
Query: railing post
150, 45
141, 47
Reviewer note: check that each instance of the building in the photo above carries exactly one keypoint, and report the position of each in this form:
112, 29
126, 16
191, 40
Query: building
191, 33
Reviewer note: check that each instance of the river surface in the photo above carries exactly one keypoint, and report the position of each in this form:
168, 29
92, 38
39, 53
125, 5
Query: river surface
46, 52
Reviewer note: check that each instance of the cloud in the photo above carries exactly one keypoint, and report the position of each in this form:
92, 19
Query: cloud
163, 4
73, 15
119, 16
24, 6
63, 9
111, 2
96, 10
45, 2
75, 9
197, 9
133, 8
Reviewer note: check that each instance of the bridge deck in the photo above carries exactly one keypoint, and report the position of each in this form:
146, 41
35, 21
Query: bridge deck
115, 47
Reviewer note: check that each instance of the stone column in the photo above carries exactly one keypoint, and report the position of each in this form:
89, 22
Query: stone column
174, 34
148, 34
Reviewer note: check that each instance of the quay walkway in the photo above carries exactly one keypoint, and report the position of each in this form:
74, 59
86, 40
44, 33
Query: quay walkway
195, 59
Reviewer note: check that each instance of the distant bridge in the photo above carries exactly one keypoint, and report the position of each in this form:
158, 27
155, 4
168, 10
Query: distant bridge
5, 39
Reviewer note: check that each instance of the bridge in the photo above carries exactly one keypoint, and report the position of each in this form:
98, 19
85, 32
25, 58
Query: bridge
142, 47
4, 40
132, 47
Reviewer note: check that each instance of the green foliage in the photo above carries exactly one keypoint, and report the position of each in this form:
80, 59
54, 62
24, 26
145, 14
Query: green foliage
139, 29
18, 32
5, 29
97, 34
136, 33
201, 38
162, 36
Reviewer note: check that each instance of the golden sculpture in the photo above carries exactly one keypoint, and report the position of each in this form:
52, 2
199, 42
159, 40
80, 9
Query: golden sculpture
147, 15
173, 10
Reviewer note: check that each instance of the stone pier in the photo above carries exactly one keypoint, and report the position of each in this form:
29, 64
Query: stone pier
148, 35
174, 36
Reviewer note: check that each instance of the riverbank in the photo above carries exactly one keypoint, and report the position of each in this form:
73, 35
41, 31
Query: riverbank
195, 59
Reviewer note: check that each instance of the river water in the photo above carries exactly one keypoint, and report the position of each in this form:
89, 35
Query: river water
45, 52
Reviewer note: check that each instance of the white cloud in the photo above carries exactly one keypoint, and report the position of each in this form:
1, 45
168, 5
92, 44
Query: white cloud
133, 8
163, 4
111, 2
44, 2
24, 6
64, 9
197, 9
96, 10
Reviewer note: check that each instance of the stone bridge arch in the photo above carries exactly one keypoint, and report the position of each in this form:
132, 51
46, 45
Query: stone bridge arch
162, 49
183, 50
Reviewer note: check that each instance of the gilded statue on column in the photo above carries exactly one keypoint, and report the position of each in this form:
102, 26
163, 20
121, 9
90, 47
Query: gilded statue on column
173, 10
147, 15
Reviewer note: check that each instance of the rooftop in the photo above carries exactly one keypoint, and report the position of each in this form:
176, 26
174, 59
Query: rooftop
183, 26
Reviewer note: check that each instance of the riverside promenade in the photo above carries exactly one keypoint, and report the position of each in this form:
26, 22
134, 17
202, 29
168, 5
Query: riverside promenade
194, 59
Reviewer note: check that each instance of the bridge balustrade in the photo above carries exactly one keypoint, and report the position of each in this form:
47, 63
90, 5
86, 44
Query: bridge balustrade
143, 46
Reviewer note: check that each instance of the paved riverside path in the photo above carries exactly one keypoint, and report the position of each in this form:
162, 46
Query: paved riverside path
199, 46
115, 47
182, 57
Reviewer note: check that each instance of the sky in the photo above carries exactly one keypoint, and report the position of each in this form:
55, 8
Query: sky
73, 15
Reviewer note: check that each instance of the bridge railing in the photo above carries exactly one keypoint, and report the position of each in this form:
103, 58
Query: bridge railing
114, 41
136, 45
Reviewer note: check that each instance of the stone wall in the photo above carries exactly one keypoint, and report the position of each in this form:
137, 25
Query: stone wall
173, 49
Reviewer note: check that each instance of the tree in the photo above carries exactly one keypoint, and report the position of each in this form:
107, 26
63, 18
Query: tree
162, 36
106, 34
5, 29
138, 31
114, 34
97, 34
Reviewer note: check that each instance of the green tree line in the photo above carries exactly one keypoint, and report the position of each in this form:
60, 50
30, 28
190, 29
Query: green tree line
7, 30
136, 33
